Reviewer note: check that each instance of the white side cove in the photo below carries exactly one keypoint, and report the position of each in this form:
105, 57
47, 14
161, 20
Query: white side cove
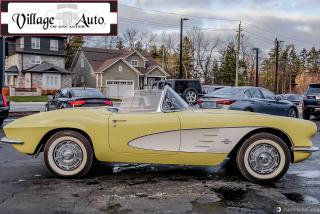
216, 140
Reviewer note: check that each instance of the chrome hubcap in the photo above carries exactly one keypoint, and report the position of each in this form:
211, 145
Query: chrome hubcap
264, 159
67, 155
191, 97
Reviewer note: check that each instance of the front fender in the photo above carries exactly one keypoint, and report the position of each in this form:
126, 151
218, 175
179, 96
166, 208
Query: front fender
31, 129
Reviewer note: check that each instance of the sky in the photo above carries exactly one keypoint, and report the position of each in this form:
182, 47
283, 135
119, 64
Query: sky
292, 21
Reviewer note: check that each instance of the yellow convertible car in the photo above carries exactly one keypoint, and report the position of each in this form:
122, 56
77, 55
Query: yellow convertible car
157, 126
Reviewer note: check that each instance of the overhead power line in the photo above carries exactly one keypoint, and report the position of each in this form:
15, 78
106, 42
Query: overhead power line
124, 19
180, 14
276, 33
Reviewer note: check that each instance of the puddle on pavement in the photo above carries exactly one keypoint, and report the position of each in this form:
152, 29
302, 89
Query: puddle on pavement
231, 195
301, 199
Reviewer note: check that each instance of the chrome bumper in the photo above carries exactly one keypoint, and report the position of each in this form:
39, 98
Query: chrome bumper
11, 141
305, 149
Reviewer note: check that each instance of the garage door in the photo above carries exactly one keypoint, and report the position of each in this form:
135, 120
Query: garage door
119, 88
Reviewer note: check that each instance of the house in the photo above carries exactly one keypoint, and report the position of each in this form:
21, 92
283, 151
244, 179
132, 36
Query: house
115, 72
36, 63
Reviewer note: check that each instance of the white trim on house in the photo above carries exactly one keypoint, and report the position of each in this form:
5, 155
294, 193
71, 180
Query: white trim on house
165, 73
75, 57
137, 52
127, 63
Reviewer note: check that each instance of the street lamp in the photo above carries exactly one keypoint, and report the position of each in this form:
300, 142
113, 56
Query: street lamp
181, 46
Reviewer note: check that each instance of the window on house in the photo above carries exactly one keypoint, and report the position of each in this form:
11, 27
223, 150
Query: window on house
36, 60
51, 81
120, 68
54, 45
35, 43
82, 63
134, 63
22, 43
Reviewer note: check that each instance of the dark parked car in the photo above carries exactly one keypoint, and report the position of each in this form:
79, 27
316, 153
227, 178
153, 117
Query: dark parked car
207, 89
294, 98
251, 99
190, 90
77, 97
4, 109
311, 102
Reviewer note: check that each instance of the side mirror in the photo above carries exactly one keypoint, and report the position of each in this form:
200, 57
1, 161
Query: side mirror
278, 97
50, 97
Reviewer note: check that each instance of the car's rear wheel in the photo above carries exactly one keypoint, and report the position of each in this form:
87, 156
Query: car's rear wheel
263, 157
292, 113
191, 96
306, 114
68, 154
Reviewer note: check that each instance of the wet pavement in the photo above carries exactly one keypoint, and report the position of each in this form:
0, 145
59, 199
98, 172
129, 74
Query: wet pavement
27, 187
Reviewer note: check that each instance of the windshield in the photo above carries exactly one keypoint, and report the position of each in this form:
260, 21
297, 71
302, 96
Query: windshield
86, 93
141, 101
173, 102
227, 91
314, 89
152, 100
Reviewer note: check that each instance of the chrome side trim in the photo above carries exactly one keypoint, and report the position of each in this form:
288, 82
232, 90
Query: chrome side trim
305, 149
11, 141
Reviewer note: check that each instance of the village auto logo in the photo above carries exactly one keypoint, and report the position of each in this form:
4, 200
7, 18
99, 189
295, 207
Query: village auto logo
59, 18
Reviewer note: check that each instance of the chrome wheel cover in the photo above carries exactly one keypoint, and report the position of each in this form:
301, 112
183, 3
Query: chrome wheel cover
264, 159
191, 97
67, 155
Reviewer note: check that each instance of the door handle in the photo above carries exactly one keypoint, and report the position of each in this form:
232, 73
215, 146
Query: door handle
114, 122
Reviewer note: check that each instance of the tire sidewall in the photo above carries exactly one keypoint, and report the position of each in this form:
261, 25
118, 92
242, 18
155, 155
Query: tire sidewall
187, 91
295, 111
83, 143
257, 139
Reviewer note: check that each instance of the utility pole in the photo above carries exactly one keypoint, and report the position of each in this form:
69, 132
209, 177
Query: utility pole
277, 43
238, 54
163, 49
181, 46
257, 66
2, 61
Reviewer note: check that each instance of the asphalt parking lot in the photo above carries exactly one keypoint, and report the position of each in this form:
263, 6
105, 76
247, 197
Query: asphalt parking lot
27, 187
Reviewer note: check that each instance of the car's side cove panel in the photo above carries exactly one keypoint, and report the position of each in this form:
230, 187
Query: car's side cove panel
215, 140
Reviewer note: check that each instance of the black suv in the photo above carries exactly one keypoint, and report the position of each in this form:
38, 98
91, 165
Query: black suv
187, 89
311, 101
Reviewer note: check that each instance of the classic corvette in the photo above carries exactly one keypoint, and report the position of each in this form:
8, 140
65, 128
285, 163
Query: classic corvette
157, 126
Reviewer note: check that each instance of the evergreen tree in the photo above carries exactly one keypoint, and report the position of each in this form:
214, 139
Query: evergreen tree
187, 62
227, 72
72, 45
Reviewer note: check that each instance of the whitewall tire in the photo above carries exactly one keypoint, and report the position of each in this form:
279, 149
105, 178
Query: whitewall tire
263, 158
68, 154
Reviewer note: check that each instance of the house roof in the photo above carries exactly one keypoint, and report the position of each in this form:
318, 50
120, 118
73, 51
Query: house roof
12, 69
100, 58
46, 67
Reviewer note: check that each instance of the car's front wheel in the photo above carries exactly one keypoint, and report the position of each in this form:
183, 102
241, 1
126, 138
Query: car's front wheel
68, 154
292, 113
263, 157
